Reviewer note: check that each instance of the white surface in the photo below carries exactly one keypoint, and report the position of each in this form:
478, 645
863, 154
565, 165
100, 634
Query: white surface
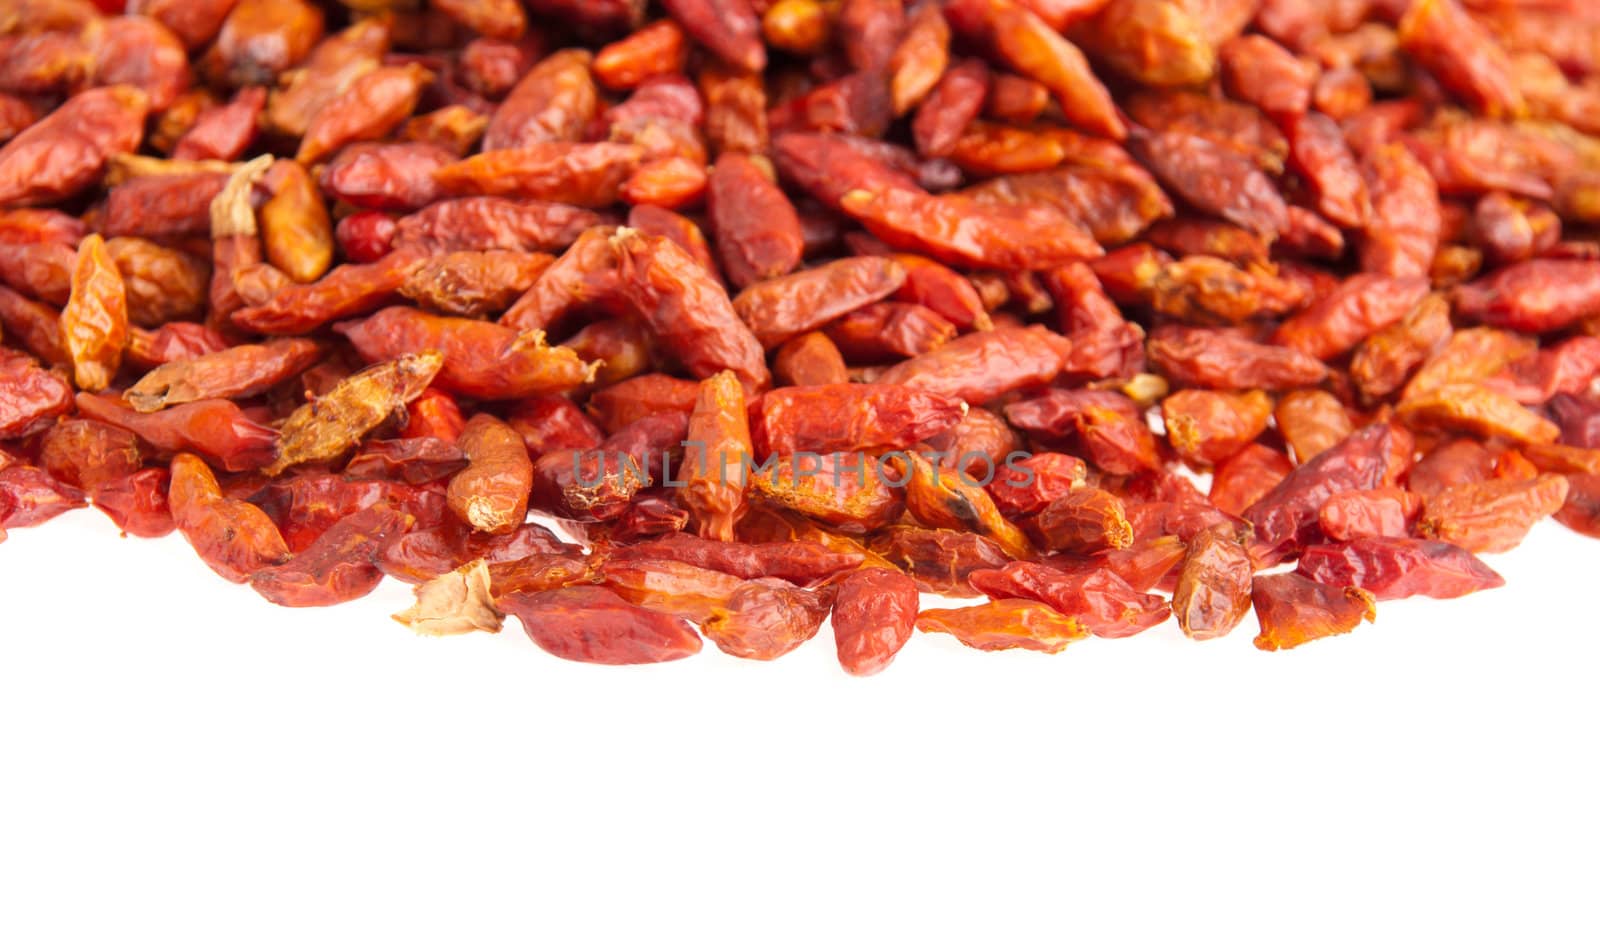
175, 751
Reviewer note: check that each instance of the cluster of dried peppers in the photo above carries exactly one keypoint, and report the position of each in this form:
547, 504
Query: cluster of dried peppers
799, 308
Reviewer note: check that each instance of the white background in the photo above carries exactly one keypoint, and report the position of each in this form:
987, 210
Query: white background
175, 751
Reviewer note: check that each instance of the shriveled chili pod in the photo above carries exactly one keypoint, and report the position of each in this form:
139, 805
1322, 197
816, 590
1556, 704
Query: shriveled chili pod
491, 493
1214, 583
1004, 624
1293, 610
336, 421
234, 538
594, 625
338, 566
233, 373
478, 359
1098, 598
874, 614
718, 457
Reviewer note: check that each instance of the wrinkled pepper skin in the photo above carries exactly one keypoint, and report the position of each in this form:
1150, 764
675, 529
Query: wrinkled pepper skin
491, 493
716, 462
234, 538
64, 153
1214, 583
874, 614
595, 626
1395, 568
1293, 610
337, 567
483, 360
1004, 624
785, 309
852, 417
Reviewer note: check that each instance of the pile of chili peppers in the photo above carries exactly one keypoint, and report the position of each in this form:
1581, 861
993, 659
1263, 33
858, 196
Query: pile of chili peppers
790, 309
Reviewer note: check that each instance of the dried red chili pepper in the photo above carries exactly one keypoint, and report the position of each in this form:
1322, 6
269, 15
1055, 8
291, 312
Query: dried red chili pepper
64, 153
491, 494
306, 505
1025, 42
551, 103
1492, 515
485, 223
766, 618
1311, 422
1223, 360
907, 297
233, 373
718, 457
427, 552
1006, 623
174, 341
670, 586
687, 310
849, 491
226, 132
1534, 296
478, 359
29, 394
1214, 180
1293, 610
755, 226
617, 406
595, 625
799, 562
553, 423
1030, 484
337, 420
1214, 584
234, 538
215, 429
31, 496
1087, 520
138, 503
851, 417
1206, 427
411, 460
1458, 51
162, 284
949, 108
1285, 519
939, 560
94, 324
296, 233
983, 366
1247, 476
583, 174
1109, 427
473, 283
338, 566
874, 613
261, 39
349, 290
1098, 599
1394, 568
